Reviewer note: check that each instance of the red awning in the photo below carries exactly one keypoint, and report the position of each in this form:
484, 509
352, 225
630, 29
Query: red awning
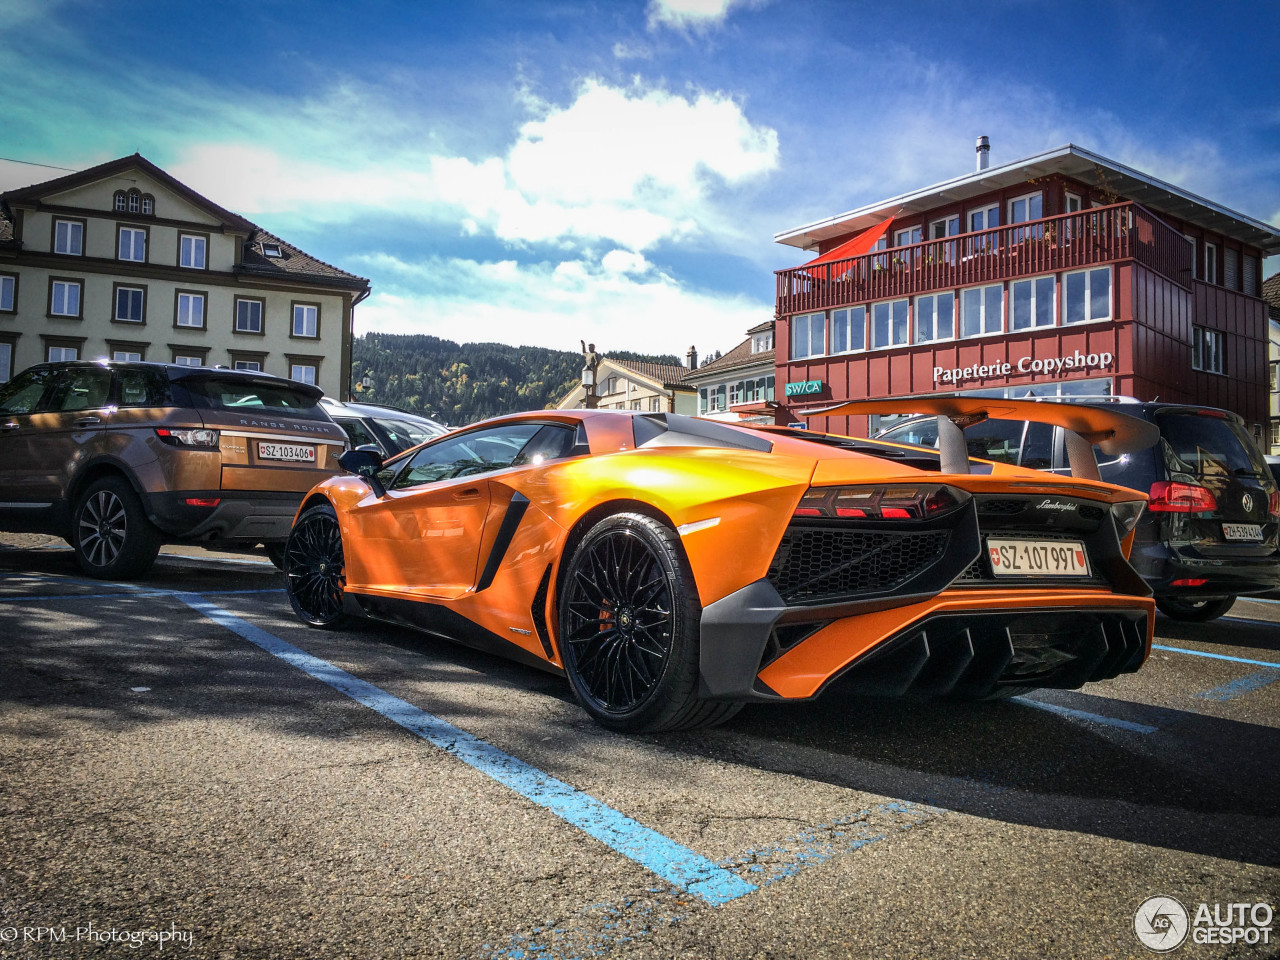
863, 243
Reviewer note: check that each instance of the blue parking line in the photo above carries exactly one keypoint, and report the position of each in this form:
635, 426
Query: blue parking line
1238, 688
1215, 656
1085, 715
1260, 600
676, 864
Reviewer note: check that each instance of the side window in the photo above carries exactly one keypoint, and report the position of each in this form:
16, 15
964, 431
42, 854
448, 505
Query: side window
550, 443
84, 388
23, 392
922, 433
356, 432
1037, 447
143, 388
475, 452
999, 440
404, 434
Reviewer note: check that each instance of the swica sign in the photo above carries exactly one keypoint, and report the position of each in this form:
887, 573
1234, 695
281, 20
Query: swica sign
1043, 366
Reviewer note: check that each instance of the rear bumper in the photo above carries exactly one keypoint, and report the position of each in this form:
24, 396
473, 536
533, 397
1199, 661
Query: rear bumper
245, 517
753, 647
1161, 566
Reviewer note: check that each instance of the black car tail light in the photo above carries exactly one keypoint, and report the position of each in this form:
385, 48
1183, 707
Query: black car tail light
197, 439
917, 501
1170, 496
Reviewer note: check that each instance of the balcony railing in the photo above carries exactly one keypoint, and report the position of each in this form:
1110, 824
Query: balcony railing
1123, 231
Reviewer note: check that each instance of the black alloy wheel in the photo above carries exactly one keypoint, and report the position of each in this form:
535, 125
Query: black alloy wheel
1194, 611
315, 571
111, 534
628, 629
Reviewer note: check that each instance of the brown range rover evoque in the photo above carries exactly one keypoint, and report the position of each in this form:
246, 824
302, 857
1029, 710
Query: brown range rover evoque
119, 458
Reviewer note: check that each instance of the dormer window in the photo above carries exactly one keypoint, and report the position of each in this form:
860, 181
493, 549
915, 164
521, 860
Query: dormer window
272, 250
134, 201
761, 342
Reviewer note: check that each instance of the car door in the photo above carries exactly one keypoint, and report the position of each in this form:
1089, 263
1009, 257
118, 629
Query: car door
19, 436
70, 421
422, 539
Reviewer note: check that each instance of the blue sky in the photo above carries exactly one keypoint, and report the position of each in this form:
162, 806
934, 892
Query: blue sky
539, 172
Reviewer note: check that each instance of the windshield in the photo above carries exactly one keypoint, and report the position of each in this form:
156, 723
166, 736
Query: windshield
248, 396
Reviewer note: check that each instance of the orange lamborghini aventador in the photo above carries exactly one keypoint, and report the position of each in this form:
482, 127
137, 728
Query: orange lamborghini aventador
675, 568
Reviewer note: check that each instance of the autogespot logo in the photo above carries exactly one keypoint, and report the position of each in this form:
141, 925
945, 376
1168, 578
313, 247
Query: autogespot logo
1161, 924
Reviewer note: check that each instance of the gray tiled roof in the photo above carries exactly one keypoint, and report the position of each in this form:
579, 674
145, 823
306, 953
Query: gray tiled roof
664, 373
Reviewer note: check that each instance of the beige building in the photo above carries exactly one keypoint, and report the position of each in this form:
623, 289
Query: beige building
123, 261
738, 387
636, 385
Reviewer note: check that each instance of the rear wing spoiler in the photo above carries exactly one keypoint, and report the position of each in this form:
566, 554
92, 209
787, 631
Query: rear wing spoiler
1113, 432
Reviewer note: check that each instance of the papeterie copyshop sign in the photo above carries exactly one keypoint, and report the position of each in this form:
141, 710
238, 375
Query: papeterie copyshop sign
1042, 366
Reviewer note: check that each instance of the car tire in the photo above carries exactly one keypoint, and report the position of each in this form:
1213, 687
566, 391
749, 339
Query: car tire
110, 532
315, 568
629, 616
1194, 611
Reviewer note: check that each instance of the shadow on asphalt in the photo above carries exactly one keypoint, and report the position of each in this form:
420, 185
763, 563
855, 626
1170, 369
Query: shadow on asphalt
997, 760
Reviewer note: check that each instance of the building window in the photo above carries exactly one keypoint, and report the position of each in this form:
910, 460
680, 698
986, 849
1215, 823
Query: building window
1031, 302
946, 227
935, 317
132, 245
187, 360
134, 201
64, 298
61, 354
248, 316
191, 251
1210, 263
1275, 435
808, 335
735, 393
982, 310
1275, 376
272, 250
8, 293
655, 404
904, 238
1029, 207
849, 330
306, 320
304, 372
1250, 275
126, 356
253, 366
1086, 295
1073, 203
68, 237
190, 312
129, 304
6, 360
890, 324
984, 218
1208, 350
762, 342
1231, 269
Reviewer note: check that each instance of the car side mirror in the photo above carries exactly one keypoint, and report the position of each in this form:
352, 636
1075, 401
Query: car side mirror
366, 462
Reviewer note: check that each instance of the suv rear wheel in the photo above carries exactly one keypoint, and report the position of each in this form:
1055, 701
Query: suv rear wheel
112, 536
1194, 611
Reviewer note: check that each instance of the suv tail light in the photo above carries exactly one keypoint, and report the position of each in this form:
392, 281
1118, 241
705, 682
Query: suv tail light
1273, 503
918, 501
206, 439
1173, 497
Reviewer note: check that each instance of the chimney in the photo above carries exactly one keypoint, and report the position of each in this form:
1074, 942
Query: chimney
692, 357
984, 152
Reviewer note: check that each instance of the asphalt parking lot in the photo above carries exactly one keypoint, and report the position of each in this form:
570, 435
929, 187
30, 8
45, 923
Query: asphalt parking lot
182, 759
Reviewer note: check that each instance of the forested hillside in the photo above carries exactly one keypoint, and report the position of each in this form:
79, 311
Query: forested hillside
461, 383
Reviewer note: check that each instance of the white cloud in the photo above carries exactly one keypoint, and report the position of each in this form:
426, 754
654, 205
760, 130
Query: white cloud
623, 303
690, 14
632, 166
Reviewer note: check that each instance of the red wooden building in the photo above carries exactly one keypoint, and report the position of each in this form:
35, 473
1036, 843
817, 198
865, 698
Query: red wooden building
1061, 274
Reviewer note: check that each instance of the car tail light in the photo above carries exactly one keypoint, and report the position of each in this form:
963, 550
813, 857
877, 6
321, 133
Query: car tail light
917, 501
203, 501
1189, 582
1273, 503
1173, 497
1126, 514
203, 438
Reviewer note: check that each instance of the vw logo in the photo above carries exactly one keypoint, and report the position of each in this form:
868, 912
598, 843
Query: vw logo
1247, 502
